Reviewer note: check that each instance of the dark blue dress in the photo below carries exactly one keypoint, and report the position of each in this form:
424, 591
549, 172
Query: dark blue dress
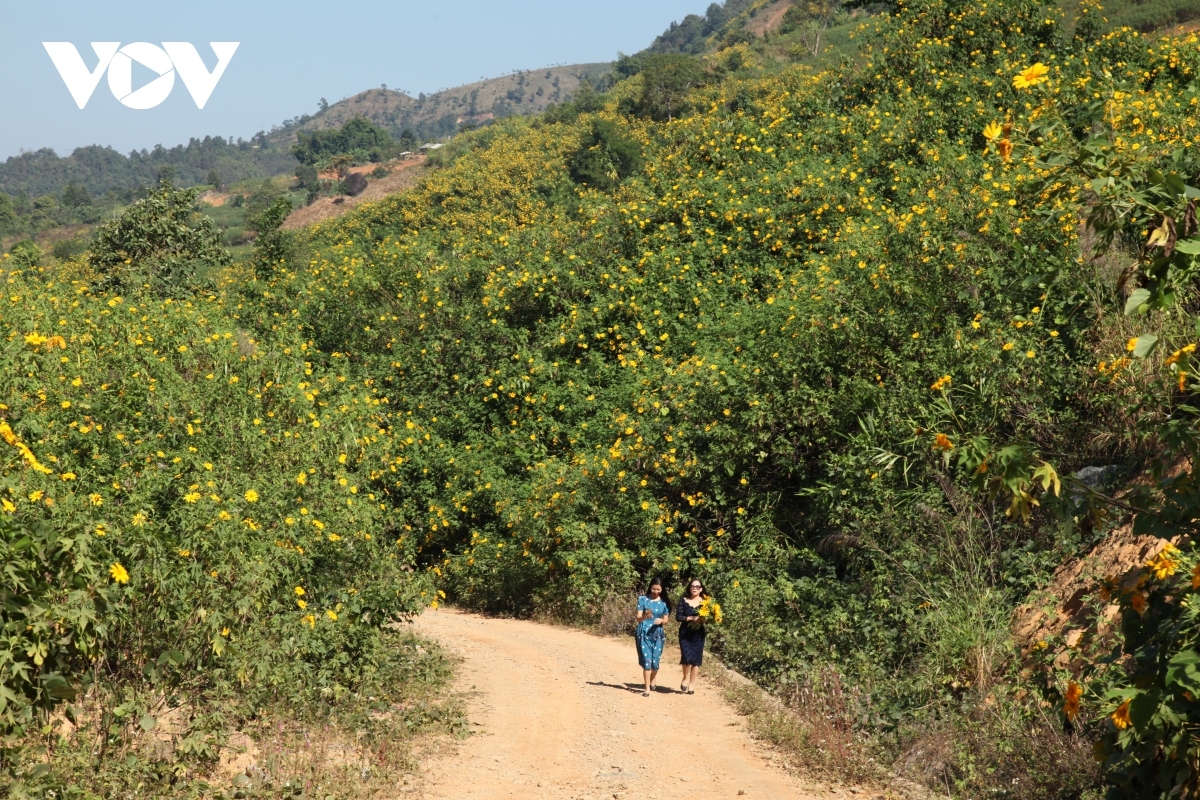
691, 635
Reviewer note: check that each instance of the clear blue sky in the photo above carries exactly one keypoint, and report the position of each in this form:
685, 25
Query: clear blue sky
292, 54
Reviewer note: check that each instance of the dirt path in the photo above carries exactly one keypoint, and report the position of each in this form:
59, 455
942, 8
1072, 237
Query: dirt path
555, 718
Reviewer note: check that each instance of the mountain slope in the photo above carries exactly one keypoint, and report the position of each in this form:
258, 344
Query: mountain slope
101, 169
440, 114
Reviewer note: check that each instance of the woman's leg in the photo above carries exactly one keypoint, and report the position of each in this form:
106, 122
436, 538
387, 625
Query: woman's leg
694, 674
653, 678
683, 684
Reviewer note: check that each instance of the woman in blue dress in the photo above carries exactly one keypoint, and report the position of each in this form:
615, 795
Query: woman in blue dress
653, 609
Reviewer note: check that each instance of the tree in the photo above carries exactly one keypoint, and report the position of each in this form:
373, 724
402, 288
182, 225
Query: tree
76, 196
358, 136
160, 241
272, 244
605, 157
214, 178
586, 100
323, 104
666, 80
307, 180
811, 18
166, 174
8, 214
25, 254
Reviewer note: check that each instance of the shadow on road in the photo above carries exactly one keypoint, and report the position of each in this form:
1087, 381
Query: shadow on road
636, 688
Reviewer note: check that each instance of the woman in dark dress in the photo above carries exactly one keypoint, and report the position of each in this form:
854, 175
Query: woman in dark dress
691, 634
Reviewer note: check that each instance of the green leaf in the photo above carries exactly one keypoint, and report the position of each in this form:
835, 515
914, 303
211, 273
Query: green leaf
147, 723
1136, 300
1189, 246
58, 687
1142, 709
1182, 670
1144, 345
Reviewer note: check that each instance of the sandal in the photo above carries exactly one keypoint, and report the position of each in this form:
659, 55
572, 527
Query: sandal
645, 694
683, 688
691, 690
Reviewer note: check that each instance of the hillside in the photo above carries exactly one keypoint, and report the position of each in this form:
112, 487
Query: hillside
435, 116
888, 353
102, 170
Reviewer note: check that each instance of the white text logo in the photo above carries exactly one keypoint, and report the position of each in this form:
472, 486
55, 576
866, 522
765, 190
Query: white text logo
165, 61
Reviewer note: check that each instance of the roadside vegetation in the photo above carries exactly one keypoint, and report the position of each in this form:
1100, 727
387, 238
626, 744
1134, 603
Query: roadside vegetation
837, 341
850, 344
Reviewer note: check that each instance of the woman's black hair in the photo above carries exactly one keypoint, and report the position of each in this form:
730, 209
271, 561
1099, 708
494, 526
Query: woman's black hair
662, 585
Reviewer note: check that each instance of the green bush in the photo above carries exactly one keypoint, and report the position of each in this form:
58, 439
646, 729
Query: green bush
55, 599
605, 157
160, 241
25, 254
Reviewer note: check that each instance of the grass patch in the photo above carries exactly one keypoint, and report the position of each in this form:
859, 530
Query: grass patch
322, 743
810, 727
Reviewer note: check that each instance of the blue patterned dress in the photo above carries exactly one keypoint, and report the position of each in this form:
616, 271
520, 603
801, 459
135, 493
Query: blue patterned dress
650, 637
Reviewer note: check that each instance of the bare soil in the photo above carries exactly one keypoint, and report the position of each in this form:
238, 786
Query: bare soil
1065, 607
769, 18
559, 713
404, 176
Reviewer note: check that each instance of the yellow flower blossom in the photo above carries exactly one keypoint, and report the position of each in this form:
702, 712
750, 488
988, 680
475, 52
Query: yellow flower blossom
118, 573
1031, 76
1120, 717
1071, 701
1165, 564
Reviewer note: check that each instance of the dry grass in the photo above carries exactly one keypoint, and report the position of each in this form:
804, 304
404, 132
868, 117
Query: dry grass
322, 759
810, 725
615, 617
1001, 750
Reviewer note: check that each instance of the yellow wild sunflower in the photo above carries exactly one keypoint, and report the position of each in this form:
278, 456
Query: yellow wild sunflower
1031, 76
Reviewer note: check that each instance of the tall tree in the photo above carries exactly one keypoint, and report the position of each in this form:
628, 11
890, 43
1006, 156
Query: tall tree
666, 80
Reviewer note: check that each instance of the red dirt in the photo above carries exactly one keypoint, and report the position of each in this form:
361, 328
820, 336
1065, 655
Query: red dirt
555, 717
404, 176
769, 18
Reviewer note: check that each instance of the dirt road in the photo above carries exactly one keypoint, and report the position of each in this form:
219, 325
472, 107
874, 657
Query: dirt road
555, 716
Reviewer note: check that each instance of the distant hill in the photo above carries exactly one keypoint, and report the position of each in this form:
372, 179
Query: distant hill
101, 169
438, 115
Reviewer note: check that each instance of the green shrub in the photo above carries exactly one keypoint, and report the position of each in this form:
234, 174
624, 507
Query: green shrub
25, 254
605, 157
160, 241
55, 600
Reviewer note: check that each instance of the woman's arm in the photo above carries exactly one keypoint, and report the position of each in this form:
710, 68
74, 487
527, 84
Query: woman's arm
683, 612
642, 611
